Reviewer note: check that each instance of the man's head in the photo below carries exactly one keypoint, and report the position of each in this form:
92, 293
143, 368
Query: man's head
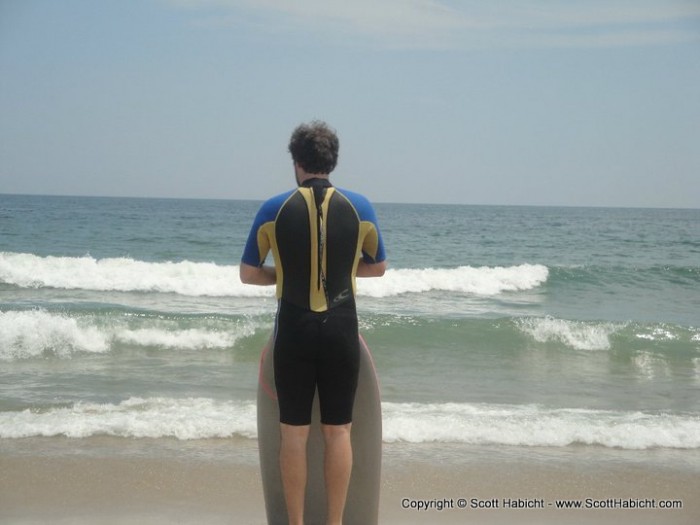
314, 147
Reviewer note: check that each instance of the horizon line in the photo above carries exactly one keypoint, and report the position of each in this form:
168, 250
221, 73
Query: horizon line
379, 202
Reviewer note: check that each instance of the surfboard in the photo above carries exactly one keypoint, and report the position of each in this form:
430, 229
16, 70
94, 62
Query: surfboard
362, 507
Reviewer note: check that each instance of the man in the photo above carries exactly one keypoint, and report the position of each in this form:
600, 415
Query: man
321, 238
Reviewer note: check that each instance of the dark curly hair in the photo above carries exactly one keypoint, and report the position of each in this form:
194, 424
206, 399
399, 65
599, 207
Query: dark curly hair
314, 146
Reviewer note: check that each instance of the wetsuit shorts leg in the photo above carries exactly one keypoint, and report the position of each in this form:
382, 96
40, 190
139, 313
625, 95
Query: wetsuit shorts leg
316, 350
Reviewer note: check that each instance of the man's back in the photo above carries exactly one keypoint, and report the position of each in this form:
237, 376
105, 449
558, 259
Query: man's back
316, 234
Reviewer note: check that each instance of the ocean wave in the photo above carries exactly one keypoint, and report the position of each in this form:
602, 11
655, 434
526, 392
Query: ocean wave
478, 424
578, 335
34, 333
38, 333
124, 275
629, 276
531, 425
602, 335
210, 279
190, 418
482, 280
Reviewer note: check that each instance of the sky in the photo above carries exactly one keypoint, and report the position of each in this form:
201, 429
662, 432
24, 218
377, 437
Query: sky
509, 102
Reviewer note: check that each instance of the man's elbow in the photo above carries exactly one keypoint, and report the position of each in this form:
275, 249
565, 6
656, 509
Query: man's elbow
247, 273
379, 268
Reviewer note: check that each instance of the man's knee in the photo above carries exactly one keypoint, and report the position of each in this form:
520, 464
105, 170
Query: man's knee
333, 433
294, 436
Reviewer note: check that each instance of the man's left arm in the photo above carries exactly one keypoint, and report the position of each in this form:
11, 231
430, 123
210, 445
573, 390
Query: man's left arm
260, 275
365, 269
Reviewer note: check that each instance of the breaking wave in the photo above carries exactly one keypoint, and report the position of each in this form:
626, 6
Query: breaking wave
210, 279
482, 424
37, 333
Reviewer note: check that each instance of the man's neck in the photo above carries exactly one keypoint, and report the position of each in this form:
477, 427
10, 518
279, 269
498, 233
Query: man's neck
302, 176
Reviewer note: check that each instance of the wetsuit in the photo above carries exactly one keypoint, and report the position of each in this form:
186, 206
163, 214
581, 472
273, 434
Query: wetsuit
317, 235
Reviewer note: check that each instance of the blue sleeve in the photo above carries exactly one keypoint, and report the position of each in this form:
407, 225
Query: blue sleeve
365, 210
253, 253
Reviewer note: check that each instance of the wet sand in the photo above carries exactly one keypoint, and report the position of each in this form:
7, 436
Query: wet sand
116, 481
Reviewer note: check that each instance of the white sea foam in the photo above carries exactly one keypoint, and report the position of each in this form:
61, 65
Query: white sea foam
657, 334
575, 334
536, 426
191, 339
124, 275
466, 279
209, 279
189, 418
514, 425
37, 333
33, 333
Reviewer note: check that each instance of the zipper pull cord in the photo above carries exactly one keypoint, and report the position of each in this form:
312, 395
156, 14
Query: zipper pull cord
319, 195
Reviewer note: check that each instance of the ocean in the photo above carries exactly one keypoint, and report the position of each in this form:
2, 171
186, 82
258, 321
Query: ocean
527, 330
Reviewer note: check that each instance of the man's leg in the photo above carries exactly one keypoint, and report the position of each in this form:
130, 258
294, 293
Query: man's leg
293, 469
337, 469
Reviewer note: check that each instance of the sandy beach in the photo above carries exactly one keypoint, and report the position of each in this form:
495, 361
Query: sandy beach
112, 481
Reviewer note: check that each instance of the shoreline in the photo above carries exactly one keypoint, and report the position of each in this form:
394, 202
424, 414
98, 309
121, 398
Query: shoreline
121, 481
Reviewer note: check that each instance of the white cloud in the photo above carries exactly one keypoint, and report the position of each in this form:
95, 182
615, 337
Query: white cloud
472, 23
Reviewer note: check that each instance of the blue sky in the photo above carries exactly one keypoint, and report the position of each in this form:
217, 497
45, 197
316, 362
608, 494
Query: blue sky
547, 102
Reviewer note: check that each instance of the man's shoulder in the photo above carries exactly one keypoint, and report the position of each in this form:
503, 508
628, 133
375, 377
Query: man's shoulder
362, 204
269, 209
279, 199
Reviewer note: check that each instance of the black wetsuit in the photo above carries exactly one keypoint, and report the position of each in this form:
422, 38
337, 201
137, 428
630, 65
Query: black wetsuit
317, 234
